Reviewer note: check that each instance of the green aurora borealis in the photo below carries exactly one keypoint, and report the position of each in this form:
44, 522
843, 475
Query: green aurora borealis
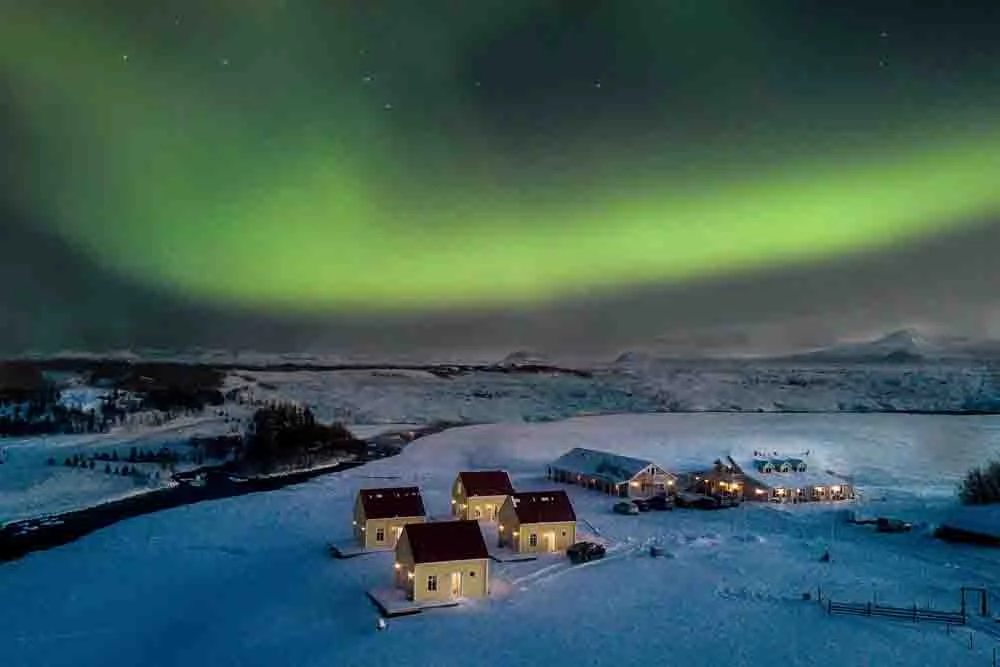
303, 155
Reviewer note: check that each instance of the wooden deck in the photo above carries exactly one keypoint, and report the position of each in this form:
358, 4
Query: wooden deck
351, 549
392, 602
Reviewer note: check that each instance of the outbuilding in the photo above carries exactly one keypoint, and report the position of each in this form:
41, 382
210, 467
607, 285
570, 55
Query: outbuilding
613, 474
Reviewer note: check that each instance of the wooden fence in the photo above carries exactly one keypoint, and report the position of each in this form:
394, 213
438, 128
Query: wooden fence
913, 613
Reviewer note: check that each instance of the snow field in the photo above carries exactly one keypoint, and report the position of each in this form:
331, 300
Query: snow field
248, 581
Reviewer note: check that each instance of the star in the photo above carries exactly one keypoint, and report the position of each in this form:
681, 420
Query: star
225, 62
597, 84
368, 78
387, 107
125, 58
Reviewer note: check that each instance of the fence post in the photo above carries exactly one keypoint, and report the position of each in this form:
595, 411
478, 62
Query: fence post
869, 608
829, 607
914, 613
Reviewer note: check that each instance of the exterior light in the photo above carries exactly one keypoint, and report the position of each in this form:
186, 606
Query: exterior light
835, 489
409, 575
362, 529
500, 527
453, 501
514, 533
397, 566
354, 523
670, 482
634, 483
759, 492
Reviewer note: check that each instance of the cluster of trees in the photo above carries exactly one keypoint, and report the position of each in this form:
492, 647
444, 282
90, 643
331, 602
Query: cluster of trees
981, 486
285, 434
84, 463
54, 419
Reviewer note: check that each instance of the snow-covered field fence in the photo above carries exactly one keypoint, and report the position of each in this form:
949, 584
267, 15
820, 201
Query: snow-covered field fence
913, 613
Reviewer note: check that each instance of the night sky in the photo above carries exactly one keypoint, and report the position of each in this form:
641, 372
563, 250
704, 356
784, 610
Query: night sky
322, 173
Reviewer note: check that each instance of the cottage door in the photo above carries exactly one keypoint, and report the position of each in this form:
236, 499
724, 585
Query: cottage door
456, 584
550, 541
396, 532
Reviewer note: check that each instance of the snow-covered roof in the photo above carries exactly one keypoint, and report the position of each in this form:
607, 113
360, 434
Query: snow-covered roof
811, 477
613, 468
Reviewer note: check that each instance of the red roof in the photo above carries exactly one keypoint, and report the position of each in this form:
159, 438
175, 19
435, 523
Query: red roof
393, 502
445, 540
543, 507
486, 483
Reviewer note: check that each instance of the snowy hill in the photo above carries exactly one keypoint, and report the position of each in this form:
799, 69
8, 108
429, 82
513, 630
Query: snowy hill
904, 345
248, 581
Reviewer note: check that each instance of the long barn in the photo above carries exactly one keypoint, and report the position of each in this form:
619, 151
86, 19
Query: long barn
613, 474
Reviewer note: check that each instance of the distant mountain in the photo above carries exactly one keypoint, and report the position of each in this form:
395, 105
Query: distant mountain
902, 346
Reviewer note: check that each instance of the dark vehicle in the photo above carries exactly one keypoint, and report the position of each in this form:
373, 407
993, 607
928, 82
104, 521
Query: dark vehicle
582, 552
625, 508
661, 503
698, 501
641, 504
885, 525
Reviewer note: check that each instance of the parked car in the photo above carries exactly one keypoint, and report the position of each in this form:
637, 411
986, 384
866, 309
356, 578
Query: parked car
885, 525
581, 552
641, 504
625, 507
697, 501
661, 503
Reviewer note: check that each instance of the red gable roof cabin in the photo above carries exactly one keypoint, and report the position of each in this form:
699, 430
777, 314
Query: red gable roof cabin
380, 514
480, 494
536, 522
442, 560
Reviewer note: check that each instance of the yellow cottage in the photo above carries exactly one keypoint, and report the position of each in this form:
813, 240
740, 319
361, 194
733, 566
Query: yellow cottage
380, 514
540, 521
442, 560
480, 495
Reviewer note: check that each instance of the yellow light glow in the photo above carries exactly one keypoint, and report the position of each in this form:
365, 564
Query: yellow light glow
670, 482
759, 492
453, 501
397, 566
635, 483
820, 489
409, 575
500, 527
835, 489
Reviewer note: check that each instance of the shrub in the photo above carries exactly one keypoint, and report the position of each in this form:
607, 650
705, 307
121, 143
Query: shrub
981, 486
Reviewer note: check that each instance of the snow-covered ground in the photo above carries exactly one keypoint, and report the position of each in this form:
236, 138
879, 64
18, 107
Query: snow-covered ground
247, 581
29, 487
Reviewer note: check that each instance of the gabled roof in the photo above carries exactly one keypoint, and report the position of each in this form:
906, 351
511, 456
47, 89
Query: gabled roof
486, 483
392, 502
543, 507
613, 468
444, 541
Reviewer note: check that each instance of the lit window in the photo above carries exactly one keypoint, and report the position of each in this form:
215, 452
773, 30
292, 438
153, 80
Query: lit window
380, 534
477, 513
532, 540
432, 582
